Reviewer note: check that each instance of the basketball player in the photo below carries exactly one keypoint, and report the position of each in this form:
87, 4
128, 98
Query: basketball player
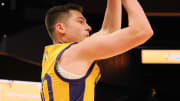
69, 71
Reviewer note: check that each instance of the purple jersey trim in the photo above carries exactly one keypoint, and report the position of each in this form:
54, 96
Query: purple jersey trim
76, 91
49, 83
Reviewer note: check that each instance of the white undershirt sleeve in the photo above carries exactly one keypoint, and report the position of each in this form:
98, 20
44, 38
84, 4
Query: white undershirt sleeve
67, 74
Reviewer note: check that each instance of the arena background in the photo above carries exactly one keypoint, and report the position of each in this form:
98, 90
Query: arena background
124, 77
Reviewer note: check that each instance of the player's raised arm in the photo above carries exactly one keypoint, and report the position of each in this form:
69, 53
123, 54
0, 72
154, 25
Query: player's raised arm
136, 15
102, 45
113, 16
105, 46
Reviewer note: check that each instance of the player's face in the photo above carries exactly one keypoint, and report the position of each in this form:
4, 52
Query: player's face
76, 28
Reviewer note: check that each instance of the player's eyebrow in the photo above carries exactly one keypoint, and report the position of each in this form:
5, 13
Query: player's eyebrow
81, 18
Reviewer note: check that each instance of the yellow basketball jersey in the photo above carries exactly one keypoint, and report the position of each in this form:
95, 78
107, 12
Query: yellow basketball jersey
57, 88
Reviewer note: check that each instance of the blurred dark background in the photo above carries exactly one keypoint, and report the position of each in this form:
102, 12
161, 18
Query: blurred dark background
23, 37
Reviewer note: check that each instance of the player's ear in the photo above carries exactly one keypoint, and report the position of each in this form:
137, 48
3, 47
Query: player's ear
60, 28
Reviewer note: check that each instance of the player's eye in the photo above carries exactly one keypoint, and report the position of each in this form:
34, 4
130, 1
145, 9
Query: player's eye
81, 22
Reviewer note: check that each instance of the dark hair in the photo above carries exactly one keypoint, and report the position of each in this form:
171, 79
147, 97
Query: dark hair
60, 13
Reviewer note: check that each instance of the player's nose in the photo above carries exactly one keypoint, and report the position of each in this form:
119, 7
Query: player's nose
89, 28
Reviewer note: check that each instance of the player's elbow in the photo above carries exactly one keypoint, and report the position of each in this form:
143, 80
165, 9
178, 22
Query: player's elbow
144, 31
146, 34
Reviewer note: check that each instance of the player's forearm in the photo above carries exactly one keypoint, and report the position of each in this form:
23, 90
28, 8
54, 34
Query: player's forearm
112, 18
136, 15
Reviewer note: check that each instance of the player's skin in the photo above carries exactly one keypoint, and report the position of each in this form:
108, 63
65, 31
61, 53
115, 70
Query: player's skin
109, 41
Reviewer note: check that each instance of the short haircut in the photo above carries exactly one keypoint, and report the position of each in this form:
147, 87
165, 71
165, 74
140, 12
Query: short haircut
59, 13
